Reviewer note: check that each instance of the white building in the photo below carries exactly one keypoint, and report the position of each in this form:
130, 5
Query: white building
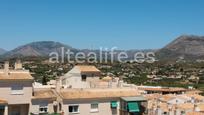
80, 77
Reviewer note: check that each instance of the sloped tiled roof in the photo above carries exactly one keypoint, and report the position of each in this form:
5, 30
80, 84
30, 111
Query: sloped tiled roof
185, 106
166, 98
97, 93
153, 96
16, 76
44, 94
2, 101
201, 107
194, 113
163, 89
87, 68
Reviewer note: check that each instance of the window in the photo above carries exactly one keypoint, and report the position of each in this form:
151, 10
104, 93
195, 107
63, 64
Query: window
43, 109
17, 90
15, 113
83, 77
74, 109
114, 104
94, 107
183, 112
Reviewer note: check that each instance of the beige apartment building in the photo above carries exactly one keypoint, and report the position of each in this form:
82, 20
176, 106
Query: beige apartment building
44, 101
81, 92
15, 90
102, 102
17, 95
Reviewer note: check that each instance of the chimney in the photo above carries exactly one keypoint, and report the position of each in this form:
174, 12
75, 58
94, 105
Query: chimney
58, 84
196, 108
6, 67
18, 65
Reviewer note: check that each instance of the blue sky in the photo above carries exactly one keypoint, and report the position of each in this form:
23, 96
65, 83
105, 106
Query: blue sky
127, 24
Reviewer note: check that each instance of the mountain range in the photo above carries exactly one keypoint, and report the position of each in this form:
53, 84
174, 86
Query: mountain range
189, 47
37, 49
2, 51
186, 46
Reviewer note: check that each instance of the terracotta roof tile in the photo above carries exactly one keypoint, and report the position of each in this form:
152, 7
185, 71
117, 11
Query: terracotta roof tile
2, 101
87, 68
16, 76
194, 113
153, 96
201, 107
168, 97
97, 93
163, 89
44, 94
196, 96
185, 106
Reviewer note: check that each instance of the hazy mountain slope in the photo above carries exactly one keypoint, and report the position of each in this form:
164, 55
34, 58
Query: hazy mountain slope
189, 47
2, 51
42, 48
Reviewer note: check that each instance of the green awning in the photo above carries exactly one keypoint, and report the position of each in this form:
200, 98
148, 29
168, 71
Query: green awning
133, 107
114, 104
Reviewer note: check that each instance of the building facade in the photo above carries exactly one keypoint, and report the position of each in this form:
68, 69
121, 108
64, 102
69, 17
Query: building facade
103, 102
81, 92
80, 77
16, 90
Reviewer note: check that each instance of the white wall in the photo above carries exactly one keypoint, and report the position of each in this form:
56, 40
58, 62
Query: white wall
73, 79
